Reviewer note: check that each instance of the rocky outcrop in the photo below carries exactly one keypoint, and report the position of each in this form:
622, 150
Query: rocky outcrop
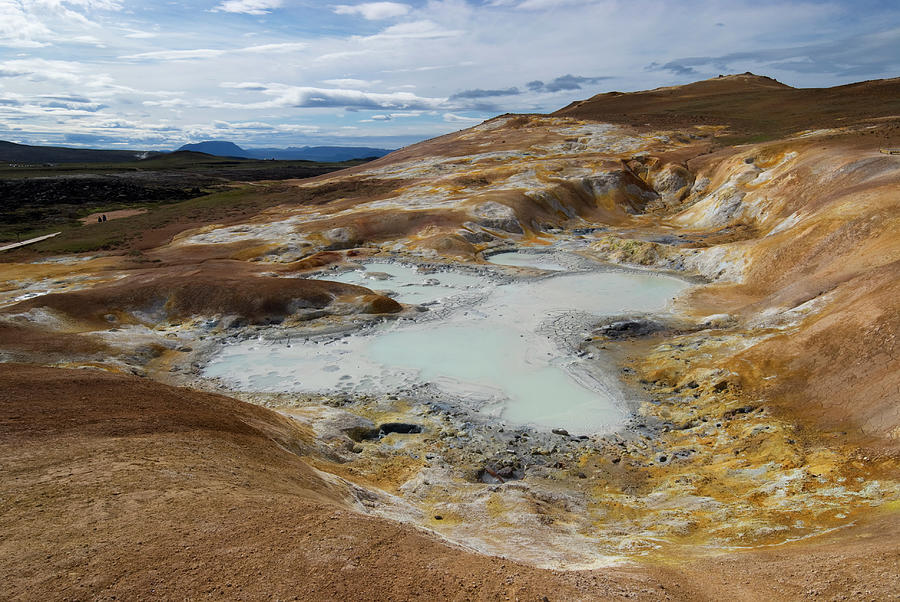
673, 183
621, 188
340, 238
497, 216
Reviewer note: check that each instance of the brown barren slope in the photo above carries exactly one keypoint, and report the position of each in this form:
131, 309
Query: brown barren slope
117, 487
219, 289
752, 106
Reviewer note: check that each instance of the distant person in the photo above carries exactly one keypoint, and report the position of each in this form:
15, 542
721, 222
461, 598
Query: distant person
99, 220
104, 217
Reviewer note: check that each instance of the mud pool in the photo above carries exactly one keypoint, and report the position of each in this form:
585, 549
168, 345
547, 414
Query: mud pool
541, 261
501, 348
408, 285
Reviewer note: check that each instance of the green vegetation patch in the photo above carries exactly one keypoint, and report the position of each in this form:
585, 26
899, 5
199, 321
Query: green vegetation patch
176, 187
129, 232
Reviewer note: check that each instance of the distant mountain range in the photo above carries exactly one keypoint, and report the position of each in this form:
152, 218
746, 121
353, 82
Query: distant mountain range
223, 148
10, 152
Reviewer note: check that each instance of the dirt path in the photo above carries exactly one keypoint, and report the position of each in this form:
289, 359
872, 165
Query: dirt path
92, 218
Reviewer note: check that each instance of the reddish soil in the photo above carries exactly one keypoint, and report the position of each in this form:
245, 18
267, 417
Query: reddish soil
117, 487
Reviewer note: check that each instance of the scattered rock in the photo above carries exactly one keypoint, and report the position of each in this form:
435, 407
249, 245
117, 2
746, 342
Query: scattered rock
474, 234
368, 434
378, 276
630, 328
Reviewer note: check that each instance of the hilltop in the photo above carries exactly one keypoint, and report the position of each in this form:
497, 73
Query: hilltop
11, 152
220, 148
751, 106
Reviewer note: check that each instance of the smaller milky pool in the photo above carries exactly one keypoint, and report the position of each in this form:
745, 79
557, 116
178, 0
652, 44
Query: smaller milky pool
541, 261
407, 284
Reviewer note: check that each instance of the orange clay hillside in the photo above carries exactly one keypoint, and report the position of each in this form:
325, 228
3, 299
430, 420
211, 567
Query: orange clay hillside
761, 459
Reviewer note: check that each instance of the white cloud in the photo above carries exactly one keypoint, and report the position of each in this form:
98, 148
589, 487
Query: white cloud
373, 11
392, 116
422, 68
541, 4
57, 106
261, 126
18, 30
416, 30
295, 127
350, 83
244, 85
64, 5
453, 118
169, 103
344, 54
249, 7
39, 23
176, 55
209, 53
141, 35
279, 47
66, 72
307, 97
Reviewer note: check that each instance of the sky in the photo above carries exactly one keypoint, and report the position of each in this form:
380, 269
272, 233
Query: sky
278, 73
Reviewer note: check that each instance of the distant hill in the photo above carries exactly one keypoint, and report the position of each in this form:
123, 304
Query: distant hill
751, 105
223, 148
218, 148
11, 152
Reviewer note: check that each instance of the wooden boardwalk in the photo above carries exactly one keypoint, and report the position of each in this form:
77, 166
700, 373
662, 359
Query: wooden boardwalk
29, 241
